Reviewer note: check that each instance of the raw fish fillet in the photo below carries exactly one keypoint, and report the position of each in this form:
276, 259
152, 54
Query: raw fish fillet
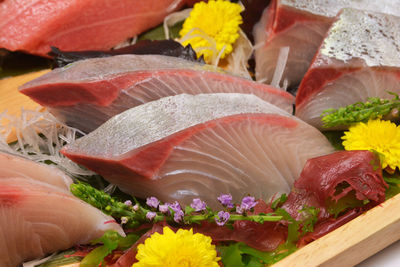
37, 218
13, 166
184, 146
72, 25
359, 58
301, 26
87, 93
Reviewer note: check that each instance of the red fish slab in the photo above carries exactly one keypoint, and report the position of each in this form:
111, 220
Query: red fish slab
72, 25
359, 58
184, 146
301, 26
87, 93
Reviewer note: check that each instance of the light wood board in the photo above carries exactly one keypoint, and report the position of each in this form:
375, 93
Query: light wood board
346, 246
12, 101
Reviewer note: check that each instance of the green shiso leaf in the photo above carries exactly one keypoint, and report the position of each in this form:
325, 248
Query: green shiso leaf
110, 241
158, 33
231, 256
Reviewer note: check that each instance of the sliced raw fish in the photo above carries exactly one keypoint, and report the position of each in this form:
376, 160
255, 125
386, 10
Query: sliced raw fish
301, 26
87, 93
72, 25
188, 146
11, 166
37, 218
359, 58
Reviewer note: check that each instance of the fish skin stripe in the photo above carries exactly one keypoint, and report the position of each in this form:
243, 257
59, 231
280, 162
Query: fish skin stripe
147, 161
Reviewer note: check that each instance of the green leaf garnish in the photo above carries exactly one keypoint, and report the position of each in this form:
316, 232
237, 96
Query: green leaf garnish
110, 241
373, 108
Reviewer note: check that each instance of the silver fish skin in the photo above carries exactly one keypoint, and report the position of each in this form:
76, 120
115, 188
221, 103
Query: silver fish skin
188, 146
87, 93
358, 59
301, 26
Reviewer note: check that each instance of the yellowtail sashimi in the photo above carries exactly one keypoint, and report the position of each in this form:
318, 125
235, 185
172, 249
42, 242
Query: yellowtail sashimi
184, 147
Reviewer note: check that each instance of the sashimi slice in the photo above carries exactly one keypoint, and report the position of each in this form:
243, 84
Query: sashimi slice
359, 58
37, 218
301, 26
184, 146
73, 25
11, 166
87, 93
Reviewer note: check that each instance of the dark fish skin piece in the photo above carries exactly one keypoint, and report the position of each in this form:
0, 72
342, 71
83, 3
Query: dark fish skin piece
145, 47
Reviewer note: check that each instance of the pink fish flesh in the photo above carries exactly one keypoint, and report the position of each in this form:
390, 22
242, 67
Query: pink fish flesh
301, 25
359, 58
73, 25
87, 93
38, 213
13, 166
184, 146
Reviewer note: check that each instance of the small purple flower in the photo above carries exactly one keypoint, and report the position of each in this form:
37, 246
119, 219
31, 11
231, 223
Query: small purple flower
178, 216
248, 203
175, 206
150, 215
136, 207
222, 218
128, 203
178, 213
239, 209
152, 202
198, 204
164, 208
226, 200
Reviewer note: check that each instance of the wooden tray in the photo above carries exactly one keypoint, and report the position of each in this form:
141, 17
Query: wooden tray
346, 246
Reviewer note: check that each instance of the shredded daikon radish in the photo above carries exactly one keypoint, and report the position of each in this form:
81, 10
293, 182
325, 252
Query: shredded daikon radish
40, 136
201, 34
173, 5
258, 45
174, 18
280, 66
238, 59
127, 42
34, 263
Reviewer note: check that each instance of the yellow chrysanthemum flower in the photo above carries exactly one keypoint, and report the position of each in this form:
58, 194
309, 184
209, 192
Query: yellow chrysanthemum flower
215, 21
180, 249
377, 135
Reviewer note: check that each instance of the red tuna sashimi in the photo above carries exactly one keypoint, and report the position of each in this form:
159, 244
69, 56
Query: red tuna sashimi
37, 218
11, 166
359, 58
73, 25
87, 93
301, 26
184, 146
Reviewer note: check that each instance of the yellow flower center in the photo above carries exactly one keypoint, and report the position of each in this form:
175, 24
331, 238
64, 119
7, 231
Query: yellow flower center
212, 28
376, 135
180, 249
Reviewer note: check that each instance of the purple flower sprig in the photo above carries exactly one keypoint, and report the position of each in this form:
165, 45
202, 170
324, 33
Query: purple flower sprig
132, 213
198, 212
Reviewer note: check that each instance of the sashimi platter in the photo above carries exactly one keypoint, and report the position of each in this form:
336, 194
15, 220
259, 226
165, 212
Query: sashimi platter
174, 133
